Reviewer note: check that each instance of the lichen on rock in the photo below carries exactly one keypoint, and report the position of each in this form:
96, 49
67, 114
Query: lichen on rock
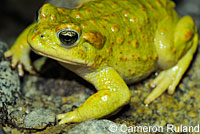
9, 80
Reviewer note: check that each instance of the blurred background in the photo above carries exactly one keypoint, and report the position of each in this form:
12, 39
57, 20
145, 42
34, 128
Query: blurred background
16, 15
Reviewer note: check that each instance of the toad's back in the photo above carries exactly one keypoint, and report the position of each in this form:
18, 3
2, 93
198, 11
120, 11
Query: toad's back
129, 27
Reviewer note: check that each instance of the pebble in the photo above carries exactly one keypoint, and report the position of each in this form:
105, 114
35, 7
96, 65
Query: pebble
39, 118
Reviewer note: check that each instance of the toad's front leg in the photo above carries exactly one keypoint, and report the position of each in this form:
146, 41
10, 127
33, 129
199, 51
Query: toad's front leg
112, 94
20, 53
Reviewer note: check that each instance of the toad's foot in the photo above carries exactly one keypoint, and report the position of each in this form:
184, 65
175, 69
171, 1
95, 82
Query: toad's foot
170, 78
20, 53
112, 94
70, 117
20, 59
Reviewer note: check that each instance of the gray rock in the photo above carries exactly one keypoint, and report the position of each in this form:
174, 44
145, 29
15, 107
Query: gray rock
9, 84
65, 3
9, 80
96, 127
39, 118
191, 8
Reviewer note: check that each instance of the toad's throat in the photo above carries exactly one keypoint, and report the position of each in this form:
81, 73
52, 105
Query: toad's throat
59, 59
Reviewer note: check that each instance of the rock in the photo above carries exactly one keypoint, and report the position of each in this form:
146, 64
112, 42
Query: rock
65, 3
191, 8
16, 116
9, 84
186, 7
9, 80
39, 118
96, 127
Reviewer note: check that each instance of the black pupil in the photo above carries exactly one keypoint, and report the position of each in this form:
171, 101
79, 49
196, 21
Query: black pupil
68, 38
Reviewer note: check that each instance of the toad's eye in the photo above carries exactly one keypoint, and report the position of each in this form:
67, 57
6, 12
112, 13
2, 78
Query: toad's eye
68, 37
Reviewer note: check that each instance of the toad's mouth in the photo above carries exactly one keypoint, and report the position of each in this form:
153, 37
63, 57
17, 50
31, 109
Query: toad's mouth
80, 62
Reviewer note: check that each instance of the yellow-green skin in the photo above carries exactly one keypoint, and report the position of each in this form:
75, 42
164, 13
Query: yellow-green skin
120, 41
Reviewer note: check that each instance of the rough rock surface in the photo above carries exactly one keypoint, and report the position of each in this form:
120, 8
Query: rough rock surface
9, 80
39, 118
96, 127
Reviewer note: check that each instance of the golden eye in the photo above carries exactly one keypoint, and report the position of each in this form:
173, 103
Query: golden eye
68, 37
